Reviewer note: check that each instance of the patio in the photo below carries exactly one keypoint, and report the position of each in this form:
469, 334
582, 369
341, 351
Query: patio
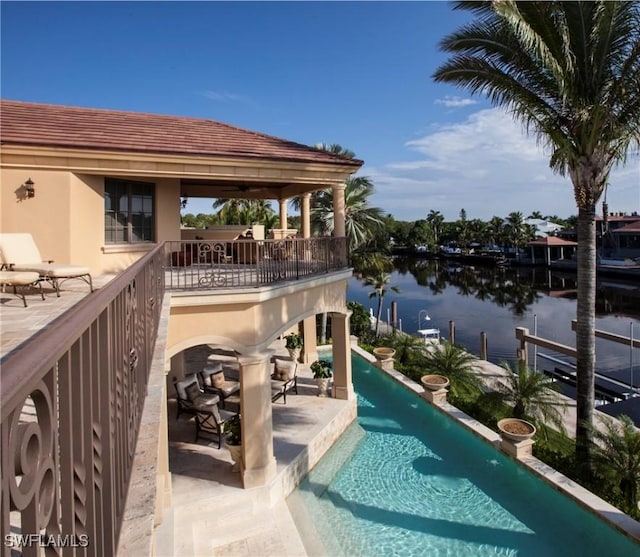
211, 514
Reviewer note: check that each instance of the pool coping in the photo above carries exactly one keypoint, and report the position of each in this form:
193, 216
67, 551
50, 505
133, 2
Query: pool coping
613, 516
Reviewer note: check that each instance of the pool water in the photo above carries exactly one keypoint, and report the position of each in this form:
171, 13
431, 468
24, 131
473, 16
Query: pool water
407, 480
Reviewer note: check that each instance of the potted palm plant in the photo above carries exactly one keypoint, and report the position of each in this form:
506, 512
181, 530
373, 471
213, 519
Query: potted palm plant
293, 343
322, 373
233, 440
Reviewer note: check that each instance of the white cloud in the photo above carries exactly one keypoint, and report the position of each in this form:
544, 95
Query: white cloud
487, 165
225, 96
455, 102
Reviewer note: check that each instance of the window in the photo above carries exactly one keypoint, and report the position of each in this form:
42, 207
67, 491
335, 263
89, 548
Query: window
128, 212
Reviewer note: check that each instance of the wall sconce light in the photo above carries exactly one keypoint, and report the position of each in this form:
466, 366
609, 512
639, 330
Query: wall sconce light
28, 187
183, 202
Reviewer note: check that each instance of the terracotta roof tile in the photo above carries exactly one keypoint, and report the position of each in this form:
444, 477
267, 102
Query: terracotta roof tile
49, 125
551, 241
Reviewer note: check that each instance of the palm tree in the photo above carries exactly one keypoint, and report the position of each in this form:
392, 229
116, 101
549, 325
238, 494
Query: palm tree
361, 221
617, 453
516, 229
380, 283
455, 363
534, 396
571, 72
436, 220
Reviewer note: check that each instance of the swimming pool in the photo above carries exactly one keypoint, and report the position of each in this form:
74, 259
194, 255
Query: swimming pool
407, 480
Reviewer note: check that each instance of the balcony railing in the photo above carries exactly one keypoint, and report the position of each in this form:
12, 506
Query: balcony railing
71, 401
210, 264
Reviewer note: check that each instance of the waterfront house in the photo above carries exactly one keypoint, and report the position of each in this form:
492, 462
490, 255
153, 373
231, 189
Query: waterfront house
103, 189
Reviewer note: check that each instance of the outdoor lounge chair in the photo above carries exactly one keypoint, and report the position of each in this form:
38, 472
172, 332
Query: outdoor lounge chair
284, 378
22, 281
20, 253
213, 380
209, 419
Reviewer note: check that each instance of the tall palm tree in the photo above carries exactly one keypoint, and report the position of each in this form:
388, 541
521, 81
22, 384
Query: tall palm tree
361, 220
516, 229
436, 220
571, 72
380, 283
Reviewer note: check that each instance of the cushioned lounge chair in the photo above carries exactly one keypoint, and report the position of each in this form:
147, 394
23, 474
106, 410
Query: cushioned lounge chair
20, 253
213, 381
284, 378
21, 281
209, 419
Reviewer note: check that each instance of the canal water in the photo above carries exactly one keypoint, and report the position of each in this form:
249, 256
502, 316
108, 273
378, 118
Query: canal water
496, 301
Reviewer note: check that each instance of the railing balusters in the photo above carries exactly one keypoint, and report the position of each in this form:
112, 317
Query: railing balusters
71, 404
212, 264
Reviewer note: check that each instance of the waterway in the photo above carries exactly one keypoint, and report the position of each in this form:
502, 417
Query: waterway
496, 301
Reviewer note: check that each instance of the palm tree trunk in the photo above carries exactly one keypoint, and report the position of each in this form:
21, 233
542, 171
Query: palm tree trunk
379, 314
585, 338
323, 328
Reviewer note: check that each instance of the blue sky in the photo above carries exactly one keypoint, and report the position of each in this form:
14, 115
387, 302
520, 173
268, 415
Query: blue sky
353, 73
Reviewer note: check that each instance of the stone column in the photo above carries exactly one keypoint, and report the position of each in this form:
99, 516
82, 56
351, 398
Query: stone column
310, 347
259, 463
339, 227
283, 213
342, 380
305, 214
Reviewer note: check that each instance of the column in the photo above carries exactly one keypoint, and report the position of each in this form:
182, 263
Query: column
305, 214
339, 227
259, 463
310, 347
283, 213
342, 381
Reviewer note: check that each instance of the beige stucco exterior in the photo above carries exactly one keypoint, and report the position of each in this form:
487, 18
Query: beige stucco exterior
66, 218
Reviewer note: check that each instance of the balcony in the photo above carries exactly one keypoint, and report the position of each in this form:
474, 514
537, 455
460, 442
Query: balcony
212, 264
83, 396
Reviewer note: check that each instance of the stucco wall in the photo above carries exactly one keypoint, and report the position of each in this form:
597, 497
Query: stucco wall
66, 217
250, 326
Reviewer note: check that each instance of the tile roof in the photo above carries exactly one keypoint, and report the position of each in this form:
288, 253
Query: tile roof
35, 124
633, 227
551, 241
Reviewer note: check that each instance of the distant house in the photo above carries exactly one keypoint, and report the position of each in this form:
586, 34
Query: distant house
628, 239
544, 228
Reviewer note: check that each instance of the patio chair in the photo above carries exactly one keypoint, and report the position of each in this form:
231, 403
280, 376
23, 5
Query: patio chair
213, 380
20, 253
284, 379
22, 281
209, 419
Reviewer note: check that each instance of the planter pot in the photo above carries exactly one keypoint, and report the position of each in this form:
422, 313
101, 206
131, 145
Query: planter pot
384, 353
516, 430
294, 353
434, 382
236, 455
323, 387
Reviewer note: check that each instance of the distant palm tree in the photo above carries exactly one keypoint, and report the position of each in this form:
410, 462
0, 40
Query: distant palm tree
244, 211
380, 283
617, 452
517, 231
570, 71
455, 363
435, 220
534, 396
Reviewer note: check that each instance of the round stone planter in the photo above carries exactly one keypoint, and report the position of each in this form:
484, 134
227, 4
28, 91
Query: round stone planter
294, 353
516, 429
384, 353
434, 382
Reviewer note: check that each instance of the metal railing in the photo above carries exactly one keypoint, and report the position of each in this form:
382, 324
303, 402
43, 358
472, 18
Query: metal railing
71, 401
211, 264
